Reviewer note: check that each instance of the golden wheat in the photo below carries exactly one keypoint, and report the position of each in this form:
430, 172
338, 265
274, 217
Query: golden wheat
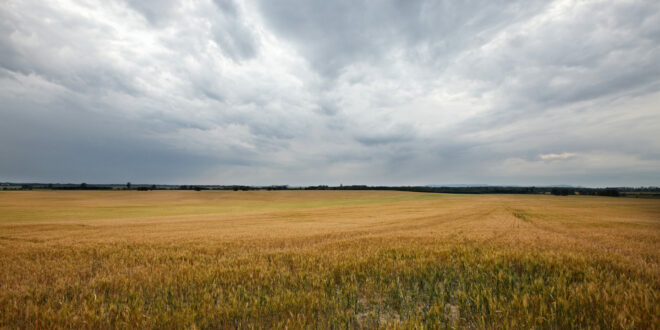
330, 259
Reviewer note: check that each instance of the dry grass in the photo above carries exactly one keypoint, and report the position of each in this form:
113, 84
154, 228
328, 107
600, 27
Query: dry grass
327, 259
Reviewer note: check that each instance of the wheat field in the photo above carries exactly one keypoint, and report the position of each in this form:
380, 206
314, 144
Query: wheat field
326, 259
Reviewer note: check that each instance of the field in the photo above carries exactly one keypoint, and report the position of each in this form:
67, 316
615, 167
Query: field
329, 259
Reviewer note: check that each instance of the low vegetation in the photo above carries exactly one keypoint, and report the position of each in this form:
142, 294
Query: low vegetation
329, 259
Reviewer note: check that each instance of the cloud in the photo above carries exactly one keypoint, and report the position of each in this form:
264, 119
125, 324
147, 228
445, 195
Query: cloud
564, 155
319, 92
336, 35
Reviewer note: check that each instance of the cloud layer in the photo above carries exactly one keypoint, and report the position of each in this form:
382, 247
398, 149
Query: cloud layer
328, 92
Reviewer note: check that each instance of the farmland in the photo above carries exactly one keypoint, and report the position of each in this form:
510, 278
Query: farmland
330, 259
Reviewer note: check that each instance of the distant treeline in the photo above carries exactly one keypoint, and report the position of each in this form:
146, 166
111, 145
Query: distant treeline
489, 190
559, 191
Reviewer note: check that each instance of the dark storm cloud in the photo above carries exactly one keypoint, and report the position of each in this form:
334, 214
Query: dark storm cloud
67, 143
336, 34
328, 92
95, 152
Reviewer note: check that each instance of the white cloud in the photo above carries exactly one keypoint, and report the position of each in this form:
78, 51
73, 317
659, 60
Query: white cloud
564, 155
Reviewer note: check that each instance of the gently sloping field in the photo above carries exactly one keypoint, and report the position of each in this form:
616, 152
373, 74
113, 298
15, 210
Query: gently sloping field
327, 259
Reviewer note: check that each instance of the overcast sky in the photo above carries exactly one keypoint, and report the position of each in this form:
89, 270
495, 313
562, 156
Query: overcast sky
329, 92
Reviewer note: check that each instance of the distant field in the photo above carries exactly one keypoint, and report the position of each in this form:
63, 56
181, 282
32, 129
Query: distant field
327, 259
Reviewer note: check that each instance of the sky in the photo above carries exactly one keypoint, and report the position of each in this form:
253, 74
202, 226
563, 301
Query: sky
311, 92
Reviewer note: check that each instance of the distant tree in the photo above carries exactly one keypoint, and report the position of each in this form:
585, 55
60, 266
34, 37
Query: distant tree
562, 192
128, 185
153, 187
612, 192
83, 185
